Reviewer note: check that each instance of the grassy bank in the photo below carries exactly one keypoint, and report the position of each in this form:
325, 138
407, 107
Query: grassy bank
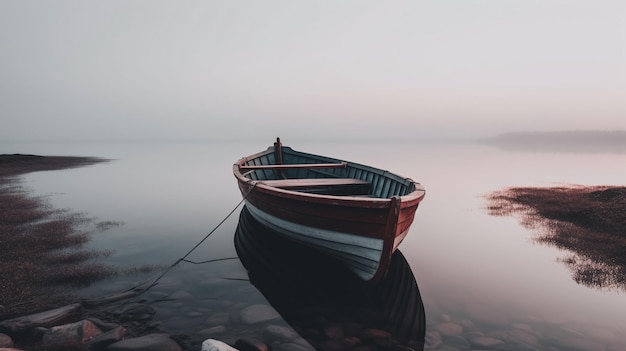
588, 221
42, 253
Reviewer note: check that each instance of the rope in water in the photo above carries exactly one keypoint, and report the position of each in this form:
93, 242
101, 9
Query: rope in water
201, 241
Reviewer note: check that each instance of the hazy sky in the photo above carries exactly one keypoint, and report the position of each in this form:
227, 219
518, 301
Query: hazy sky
228, 69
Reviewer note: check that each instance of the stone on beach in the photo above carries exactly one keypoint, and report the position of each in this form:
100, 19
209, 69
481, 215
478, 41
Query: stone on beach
181, 295
216, 345
5, 341
43, 319
433, 339
258, 313
457, 341
579, 344
150, 342
219, 318
104, 326
449, 329
251, 344
213, 331
103, 340
486, 315
80, 332
281, 333
487, 343
135, 311
522, 337
522, 347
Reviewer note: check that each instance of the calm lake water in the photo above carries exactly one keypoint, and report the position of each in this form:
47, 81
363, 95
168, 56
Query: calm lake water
482, 273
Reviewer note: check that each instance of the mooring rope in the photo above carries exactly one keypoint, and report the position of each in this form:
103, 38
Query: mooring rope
200, 242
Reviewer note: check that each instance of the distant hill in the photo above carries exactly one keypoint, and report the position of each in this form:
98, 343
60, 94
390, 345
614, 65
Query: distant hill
575, 136
563, 141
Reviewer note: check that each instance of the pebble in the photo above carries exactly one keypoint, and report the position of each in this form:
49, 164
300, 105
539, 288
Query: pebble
213, 331
135, 311
150, 342
181, 295
457, 341
5, 341
103, 340
251, 344
486, 315
257, 326
433, 339
43, 319
602, 335
487, 343
104, 326
278, 332
524, 334
580, 344
216, 345
81, 332
449, 329
447, 348
522, 337
258, 313
522, 326
522, 347
219, 318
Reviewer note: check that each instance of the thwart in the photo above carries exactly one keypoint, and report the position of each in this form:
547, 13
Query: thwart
356, 213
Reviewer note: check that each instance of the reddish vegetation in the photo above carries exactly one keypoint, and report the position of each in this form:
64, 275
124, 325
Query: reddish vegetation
19, 164
589, 221
41, 253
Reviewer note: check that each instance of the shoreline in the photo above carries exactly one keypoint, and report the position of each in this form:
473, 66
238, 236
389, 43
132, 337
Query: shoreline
44, 264
18, 164
59, 320
587, 221
115, 314
42, 259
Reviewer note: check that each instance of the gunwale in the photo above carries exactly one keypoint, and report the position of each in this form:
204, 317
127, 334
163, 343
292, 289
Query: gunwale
383, 218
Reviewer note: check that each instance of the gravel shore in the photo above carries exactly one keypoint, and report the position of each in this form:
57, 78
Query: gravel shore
42, 258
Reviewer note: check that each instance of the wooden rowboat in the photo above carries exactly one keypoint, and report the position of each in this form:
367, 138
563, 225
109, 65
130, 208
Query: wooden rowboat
356, 213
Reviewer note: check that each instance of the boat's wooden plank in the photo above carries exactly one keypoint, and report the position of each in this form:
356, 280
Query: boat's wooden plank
312, 182
296, 165
368, 222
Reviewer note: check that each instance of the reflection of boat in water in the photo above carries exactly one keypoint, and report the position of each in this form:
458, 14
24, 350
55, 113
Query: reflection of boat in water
356, 213
312, 291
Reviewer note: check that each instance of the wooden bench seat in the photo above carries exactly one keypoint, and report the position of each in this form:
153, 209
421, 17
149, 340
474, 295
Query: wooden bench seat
330, 186
294, 166
309, 182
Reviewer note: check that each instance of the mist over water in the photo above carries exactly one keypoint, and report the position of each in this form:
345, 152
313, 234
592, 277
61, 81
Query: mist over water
468, 264
577, 142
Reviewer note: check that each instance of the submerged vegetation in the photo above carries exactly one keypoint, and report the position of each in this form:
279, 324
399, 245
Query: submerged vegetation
588, 221
43, 258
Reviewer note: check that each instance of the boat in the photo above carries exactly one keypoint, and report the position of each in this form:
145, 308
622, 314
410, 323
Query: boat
312, 292
353, 212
